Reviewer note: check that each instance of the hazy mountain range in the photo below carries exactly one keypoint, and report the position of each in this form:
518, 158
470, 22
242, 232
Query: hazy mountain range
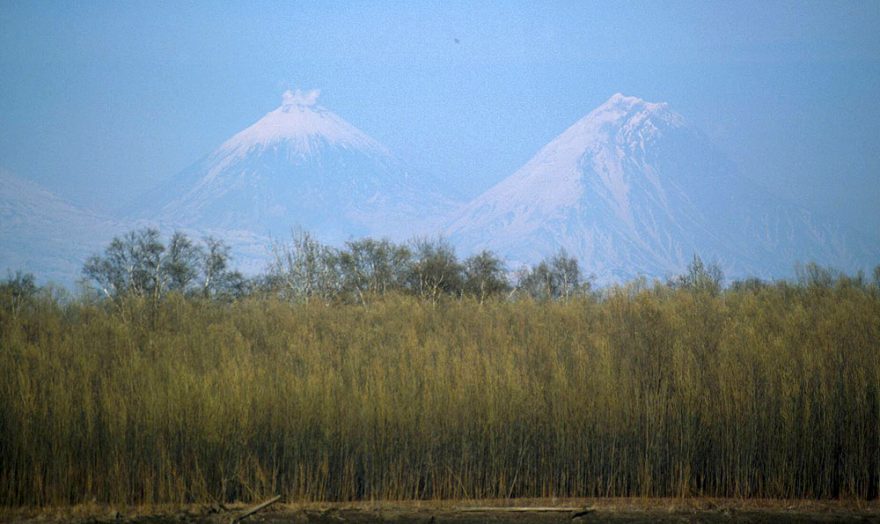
630, 189
47, 235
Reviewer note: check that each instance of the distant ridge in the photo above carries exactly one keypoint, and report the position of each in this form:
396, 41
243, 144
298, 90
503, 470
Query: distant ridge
46, 235
630, 189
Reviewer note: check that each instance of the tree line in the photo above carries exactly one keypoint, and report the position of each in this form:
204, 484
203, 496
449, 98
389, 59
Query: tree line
141, 264
303, 269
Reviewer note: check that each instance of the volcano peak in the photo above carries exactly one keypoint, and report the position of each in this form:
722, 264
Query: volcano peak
299, 99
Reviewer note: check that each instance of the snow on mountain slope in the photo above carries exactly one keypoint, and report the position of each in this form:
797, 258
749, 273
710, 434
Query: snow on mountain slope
631, 189
300, 165
45, 235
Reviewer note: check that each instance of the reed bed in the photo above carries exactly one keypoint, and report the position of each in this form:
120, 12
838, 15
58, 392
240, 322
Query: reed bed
772, 391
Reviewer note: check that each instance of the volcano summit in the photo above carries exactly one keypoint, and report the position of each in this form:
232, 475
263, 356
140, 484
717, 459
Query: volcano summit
300, 165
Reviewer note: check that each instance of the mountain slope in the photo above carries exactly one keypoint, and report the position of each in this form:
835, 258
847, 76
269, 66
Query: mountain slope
46, 235
299, 165
631, 189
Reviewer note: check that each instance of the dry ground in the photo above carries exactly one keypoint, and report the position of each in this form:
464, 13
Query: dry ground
576, 511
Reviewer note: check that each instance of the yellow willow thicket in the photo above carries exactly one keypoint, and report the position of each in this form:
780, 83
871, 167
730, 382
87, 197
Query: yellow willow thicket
772, 391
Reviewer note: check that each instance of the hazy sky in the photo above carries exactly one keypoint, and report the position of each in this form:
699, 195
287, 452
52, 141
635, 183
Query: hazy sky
99, 100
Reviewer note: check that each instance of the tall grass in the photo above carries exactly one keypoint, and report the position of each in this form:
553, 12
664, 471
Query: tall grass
765, 392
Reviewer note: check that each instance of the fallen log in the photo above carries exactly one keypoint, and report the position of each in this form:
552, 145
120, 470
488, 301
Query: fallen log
522, 509
258, 507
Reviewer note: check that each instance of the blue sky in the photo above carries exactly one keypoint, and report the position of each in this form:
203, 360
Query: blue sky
100, 100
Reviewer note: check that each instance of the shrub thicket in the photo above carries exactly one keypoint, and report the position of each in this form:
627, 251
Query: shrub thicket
757, 390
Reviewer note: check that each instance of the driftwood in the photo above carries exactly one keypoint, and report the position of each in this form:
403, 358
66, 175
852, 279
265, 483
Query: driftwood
515, 509
522, 509
258, 507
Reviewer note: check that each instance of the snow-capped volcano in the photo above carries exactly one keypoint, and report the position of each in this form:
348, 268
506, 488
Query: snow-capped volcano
300, 165
632, 189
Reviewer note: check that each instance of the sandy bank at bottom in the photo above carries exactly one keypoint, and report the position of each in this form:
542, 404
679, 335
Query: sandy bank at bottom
519, 511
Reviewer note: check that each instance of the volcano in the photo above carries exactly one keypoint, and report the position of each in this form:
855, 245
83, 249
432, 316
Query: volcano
302, 166
632, 189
